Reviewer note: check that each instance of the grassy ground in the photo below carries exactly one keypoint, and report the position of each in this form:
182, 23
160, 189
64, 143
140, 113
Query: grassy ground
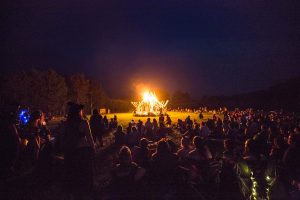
125, 118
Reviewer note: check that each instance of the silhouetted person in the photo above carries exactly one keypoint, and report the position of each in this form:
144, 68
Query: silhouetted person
201, 115
164, 161
168, 121
32, 132
79, 151
10, 143
125, 177
161, 119
291, 158
252, 169
105, 121
228, 153
133, 137
185, 148
97, 126
129, 128
201, 151
229, 185
120, 136
161, 132
142, 154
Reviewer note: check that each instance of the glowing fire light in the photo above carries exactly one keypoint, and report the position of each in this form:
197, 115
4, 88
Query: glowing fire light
149, 105
149, 97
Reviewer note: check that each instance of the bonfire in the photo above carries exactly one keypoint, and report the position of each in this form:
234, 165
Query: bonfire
149, 105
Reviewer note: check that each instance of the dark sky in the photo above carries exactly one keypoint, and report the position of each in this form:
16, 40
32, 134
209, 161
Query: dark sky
205, 47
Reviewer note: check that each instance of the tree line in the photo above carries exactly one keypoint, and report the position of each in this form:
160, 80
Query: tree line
50, 91
284, 95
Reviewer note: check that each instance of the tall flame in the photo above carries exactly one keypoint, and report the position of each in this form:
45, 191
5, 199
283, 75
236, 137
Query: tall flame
149, 97
149, 104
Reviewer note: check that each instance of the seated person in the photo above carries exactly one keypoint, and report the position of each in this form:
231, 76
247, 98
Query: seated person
141, 153
125, 176
201, 151
164, 162
119, 136
185, 148
132, 137
199, 159
229, 154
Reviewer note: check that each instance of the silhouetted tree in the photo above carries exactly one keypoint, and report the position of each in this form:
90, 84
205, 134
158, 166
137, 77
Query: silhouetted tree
36, 89
56, 91
181, 99
78, 88
97, 96
118, 105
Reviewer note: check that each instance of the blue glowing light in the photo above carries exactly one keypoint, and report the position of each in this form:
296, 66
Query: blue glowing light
24, 116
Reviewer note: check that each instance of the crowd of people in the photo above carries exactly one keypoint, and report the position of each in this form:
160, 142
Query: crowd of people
244, 154
259, 158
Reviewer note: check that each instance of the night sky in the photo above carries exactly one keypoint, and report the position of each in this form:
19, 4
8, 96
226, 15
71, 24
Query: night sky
204, 47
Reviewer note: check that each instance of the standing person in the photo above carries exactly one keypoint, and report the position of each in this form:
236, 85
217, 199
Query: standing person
115, 124
201, 115
105, 121
79, 151
97, 127
155, 128
45, 131
44, 164
32, 133
10, 143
